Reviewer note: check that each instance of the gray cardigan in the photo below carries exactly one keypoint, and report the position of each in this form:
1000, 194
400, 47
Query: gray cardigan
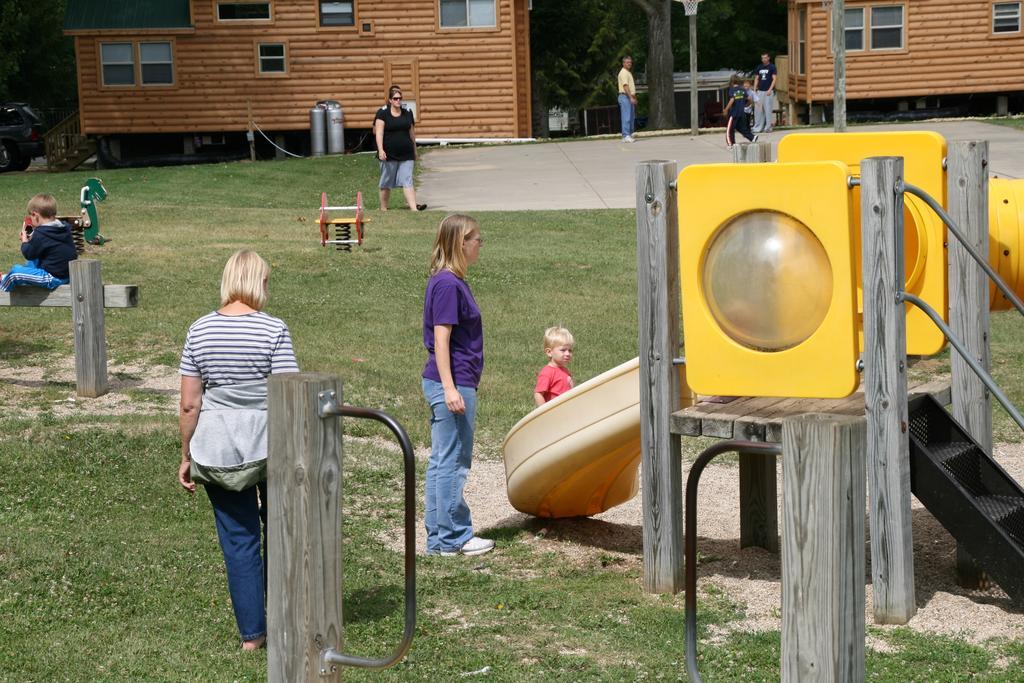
229, 446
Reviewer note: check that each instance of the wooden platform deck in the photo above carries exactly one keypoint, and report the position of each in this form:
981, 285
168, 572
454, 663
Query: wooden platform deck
760, 418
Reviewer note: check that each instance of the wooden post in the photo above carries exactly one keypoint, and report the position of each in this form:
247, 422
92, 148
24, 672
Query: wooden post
303, 529
967, 180
759, 515
657, 254
823, 549
885, 390
250, 134
752, 152
89, 328
839, 66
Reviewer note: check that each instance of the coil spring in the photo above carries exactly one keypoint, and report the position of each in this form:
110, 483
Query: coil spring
343, 232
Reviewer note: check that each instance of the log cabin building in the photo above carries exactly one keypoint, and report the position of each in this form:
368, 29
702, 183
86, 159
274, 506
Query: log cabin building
166, 77
911, 57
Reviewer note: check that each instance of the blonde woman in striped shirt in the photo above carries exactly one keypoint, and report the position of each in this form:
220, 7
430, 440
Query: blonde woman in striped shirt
227, 358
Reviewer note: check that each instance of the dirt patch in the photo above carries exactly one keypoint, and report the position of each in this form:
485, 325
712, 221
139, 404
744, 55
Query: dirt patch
134, 388
750, 577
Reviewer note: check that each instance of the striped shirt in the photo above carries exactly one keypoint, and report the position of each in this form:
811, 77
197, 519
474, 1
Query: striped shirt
235, 349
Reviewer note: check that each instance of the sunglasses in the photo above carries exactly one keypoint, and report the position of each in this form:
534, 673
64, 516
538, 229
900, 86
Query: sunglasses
397, 98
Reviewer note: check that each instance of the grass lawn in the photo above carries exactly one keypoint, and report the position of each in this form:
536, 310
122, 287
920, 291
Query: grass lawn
108, 572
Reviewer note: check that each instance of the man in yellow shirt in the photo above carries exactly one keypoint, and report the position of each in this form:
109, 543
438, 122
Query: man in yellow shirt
627, 99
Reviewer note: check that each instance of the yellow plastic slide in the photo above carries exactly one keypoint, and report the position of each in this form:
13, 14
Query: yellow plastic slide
578, 454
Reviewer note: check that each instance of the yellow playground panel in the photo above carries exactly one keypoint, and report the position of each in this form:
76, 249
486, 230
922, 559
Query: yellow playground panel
766, 275
925, 263
768, 279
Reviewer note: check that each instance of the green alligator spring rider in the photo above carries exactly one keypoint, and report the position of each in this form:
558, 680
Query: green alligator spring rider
85, 228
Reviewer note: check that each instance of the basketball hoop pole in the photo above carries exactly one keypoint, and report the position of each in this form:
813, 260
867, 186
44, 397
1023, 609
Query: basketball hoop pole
690, 7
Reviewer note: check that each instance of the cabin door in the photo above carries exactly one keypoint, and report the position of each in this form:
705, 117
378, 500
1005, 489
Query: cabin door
405, 73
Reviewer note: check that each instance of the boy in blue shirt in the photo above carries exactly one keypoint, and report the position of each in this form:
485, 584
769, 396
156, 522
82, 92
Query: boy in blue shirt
737, 102
47, 245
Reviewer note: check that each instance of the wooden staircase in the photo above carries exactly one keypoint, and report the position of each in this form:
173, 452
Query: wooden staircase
66, 147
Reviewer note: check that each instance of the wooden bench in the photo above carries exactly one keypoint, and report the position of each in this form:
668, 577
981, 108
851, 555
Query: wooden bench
87, 296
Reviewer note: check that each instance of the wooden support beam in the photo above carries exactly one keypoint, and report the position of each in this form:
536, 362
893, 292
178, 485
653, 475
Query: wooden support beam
885, 390
89, 328
657, 253
823, 549
759, 513
303, 529
967, 190
759, 516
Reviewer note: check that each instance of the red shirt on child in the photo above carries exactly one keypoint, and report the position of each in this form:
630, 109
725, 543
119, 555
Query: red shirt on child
553, 381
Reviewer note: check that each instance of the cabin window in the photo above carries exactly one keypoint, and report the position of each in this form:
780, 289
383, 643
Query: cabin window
1006, 17
468, 13
243, 11
801, 38
118, 61
887, 27
337, 14
854, 19
156, 63
272, 58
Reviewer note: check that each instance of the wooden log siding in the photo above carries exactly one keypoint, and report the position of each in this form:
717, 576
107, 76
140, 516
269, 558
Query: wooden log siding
472, 82
949, 49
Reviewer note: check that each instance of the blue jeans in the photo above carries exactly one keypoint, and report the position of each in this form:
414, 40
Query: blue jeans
240, 516
447, 517
626, 112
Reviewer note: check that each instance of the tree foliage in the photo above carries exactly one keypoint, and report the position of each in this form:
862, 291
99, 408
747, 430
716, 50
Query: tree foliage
576, 46
37, 61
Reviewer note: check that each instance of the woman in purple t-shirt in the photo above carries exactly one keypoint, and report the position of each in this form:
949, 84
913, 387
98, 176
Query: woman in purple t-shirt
454, 336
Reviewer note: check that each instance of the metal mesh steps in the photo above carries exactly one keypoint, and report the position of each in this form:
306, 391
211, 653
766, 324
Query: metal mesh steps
968, 493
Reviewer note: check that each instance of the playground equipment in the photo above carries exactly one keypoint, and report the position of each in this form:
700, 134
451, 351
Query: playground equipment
836, 255
304, 542
578, 454
947, 467
85, 227
343, 226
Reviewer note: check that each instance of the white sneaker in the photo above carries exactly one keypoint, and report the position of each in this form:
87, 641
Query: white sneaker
756, 136
476, 546
630, 138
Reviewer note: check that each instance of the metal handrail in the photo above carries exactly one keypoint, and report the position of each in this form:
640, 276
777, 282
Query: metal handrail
978, 258
330, 656
982, 374
690, 531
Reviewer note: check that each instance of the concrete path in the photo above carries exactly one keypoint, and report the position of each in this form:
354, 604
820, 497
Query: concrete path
599, 174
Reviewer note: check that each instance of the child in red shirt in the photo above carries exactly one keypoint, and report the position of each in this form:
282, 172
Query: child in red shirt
554, 378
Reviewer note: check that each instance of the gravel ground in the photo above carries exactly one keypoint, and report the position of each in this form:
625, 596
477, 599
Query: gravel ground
751, 576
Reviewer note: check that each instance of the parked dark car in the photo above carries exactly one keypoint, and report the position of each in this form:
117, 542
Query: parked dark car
21, 136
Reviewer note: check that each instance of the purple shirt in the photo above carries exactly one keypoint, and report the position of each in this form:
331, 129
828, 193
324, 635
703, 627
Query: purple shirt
448, 301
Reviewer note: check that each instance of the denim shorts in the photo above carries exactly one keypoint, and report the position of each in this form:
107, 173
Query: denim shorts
396, 174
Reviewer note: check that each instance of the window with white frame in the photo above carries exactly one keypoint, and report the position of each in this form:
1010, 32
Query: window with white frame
887, 27
118, 63
854, 29
272, 58
337, 14
468, 13
243, 11
156, 63
801, 38
1006, 17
